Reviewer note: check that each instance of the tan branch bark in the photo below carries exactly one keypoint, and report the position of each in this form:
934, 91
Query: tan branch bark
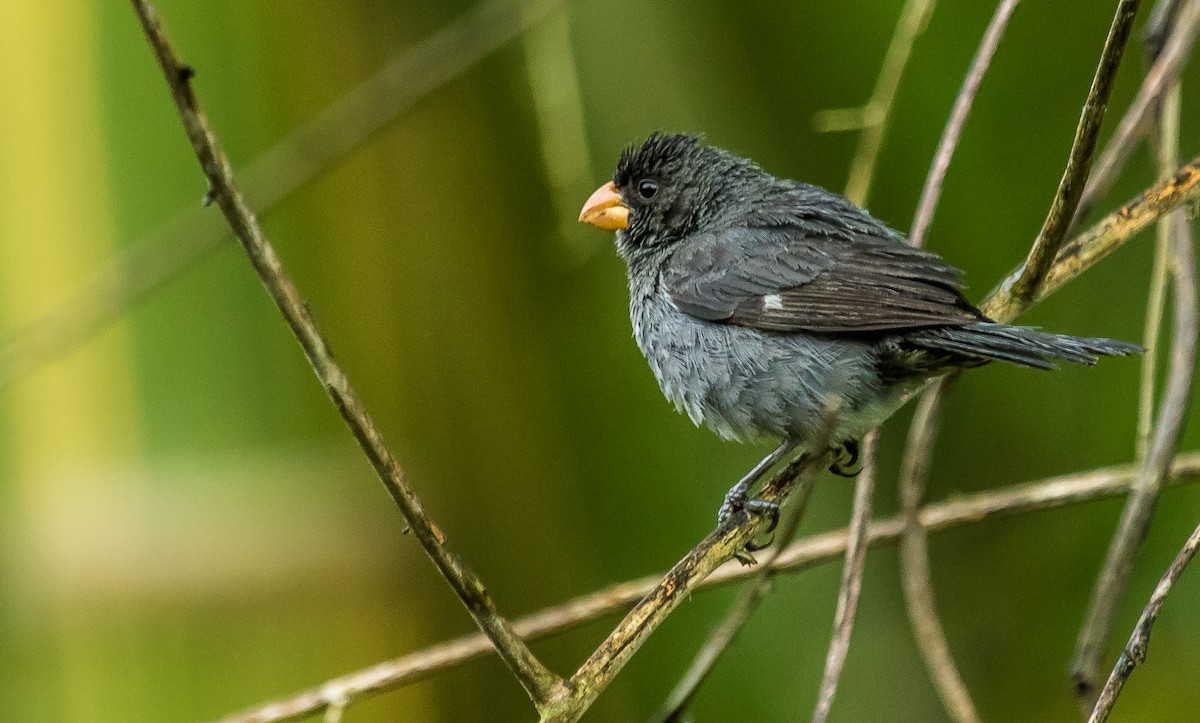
1107, 235
1134, 653
1165, 69
753, 592
539, 682
1070, 188
800, 556
915, 575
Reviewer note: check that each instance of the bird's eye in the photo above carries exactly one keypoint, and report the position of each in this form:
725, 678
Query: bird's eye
647, 189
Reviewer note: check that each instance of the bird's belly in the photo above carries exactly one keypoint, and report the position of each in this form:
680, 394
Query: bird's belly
747, 384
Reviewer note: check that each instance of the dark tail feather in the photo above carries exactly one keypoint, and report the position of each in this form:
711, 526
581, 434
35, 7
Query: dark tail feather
1022, 345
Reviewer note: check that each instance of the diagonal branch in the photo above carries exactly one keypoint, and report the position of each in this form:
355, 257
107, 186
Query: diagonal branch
800, 556
916, 577
958, 120
195, 232
1107, 235
720, 546
1090, 648
539, 682
1165, 69
755, 589
1134, 653
852, 573
1070, 187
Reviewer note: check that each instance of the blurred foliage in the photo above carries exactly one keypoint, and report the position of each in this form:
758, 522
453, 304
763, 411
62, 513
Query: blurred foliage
188, 530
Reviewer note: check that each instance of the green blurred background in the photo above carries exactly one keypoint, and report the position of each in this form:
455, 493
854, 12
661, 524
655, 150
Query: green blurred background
187, 528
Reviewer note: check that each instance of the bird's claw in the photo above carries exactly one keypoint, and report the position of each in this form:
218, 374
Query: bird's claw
735, 503
847, 463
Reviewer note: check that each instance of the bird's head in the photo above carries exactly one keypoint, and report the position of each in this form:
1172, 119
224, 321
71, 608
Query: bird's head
667, 188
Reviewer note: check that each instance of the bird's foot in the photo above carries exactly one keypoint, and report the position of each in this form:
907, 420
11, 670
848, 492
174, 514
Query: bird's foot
846, 461
737, 501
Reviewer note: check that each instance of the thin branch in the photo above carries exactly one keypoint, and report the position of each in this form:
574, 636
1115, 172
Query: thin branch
720, 546
1139, 509
1163, 72
539, 682
800, 556
858, 540
755, 590
872, 118
1070, 187
915, 576
1107, 235
958, 120
1134, 653
196, 232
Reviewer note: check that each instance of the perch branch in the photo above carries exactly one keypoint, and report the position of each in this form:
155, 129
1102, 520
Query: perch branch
800, 556
754, 590
858, 539
196, 232
718, 547
539, 682
932, 190
1070, 187
872, 118
1134, 653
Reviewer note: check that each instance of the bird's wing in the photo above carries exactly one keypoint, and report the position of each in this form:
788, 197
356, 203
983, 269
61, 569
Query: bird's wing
814, 278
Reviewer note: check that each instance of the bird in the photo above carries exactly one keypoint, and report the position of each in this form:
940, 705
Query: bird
756, 299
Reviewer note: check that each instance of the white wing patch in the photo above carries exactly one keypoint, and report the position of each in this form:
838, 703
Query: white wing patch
773, 301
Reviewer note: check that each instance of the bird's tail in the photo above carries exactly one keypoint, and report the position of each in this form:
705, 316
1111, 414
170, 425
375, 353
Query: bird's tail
1021, 345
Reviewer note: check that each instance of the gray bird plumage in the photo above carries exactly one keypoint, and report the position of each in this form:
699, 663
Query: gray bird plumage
756, 298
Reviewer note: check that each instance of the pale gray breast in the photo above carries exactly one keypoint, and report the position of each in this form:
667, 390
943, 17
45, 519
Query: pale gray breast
745, 383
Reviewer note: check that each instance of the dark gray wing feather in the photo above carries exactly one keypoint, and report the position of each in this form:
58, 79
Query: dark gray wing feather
814, 278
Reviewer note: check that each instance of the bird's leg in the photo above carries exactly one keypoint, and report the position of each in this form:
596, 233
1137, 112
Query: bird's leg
846, 462
738, 496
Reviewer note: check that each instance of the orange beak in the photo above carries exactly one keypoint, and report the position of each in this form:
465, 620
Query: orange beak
604, 209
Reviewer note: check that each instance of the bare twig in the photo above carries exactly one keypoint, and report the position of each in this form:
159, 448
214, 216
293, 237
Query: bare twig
1139, 509
1134, 653
916, 579
1070, 187
872, 118
852, 573
755, 589
196, 232
958, 120
802, 555
541, 684
718, 547
1166, 67
1097, 242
